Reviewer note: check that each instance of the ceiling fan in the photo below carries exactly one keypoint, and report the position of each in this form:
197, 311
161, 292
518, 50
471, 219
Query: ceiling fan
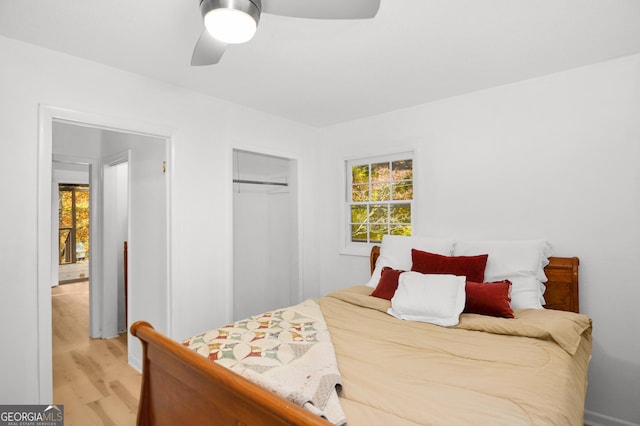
235, 21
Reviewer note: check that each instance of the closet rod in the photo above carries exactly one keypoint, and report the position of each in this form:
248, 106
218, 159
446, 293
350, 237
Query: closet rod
259, 182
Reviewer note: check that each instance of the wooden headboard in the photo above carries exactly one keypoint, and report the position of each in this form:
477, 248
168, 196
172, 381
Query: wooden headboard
562, 284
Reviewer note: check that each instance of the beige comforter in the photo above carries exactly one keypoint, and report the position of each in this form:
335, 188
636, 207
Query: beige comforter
531, 370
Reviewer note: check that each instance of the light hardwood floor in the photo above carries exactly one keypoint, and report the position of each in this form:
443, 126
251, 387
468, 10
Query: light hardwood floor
91, 377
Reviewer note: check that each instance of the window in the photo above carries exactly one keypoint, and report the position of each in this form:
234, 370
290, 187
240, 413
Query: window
379, 197
73, 219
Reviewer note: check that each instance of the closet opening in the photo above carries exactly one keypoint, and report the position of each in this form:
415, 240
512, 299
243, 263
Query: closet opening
265, 233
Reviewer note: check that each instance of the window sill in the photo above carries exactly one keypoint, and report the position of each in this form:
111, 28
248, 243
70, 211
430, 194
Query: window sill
364, 251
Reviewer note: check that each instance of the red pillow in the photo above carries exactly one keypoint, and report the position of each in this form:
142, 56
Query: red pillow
388, 283
489, 299
471, 267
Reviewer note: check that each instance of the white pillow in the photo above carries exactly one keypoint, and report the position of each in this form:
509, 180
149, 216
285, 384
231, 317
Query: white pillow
518, 261
395, 252
526, 293
436, 299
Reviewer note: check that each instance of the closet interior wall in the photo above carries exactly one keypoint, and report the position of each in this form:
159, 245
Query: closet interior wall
264, 234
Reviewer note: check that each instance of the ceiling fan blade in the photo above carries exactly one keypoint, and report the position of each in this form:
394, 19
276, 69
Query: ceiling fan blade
208, 50
322, 9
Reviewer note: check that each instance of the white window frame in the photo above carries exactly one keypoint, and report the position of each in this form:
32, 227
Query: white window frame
364, 248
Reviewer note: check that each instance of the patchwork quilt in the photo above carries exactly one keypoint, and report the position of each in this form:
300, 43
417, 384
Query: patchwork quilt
288, 351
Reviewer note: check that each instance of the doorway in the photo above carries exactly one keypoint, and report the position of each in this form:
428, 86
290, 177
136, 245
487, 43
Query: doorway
129, 197
265, 233
76, 137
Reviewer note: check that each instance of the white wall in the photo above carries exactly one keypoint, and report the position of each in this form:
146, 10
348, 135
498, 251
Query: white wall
203, 132
115, 184
76, 177
250, 248
122, 215
555, 157
115, 215
279, 250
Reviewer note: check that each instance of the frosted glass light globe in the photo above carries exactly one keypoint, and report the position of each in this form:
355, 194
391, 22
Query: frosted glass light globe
230, 25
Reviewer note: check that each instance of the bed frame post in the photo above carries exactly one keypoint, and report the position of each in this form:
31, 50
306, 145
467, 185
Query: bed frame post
375, 253
562, 284
143, 406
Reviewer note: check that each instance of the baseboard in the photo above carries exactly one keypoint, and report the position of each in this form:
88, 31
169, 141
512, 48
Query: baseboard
135, 362
595, 419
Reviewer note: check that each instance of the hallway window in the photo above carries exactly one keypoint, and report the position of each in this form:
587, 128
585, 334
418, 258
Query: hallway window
73, 214
379, 197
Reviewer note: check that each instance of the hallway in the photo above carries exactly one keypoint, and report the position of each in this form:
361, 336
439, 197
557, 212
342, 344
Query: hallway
91, 377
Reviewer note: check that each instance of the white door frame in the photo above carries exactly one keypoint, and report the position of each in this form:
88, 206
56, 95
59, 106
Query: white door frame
109, 261
46, 116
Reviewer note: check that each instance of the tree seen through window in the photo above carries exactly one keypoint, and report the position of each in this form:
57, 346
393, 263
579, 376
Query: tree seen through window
380, 199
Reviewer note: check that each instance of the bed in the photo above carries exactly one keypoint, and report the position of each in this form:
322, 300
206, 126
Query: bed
399, 372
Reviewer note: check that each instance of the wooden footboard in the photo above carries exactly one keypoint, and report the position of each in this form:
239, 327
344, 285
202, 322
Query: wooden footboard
182, 387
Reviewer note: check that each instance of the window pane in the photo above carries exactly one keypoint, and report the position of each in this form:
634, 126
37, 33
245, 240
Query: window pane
64, 250
402, 169
82, 225
380, 192
358, 214
400, 230
360, 174
380, 172
400, 213
360, 193
379, 213
403, 190
359, 233
65, 209
376, 232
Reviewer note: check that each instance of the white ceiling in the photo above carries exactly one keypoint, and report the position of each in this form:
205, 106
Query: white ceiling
326, 72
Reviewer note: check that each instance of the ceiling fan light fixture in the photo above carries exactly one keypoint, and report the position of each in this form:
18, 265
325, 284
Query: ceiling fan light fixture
231, 21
